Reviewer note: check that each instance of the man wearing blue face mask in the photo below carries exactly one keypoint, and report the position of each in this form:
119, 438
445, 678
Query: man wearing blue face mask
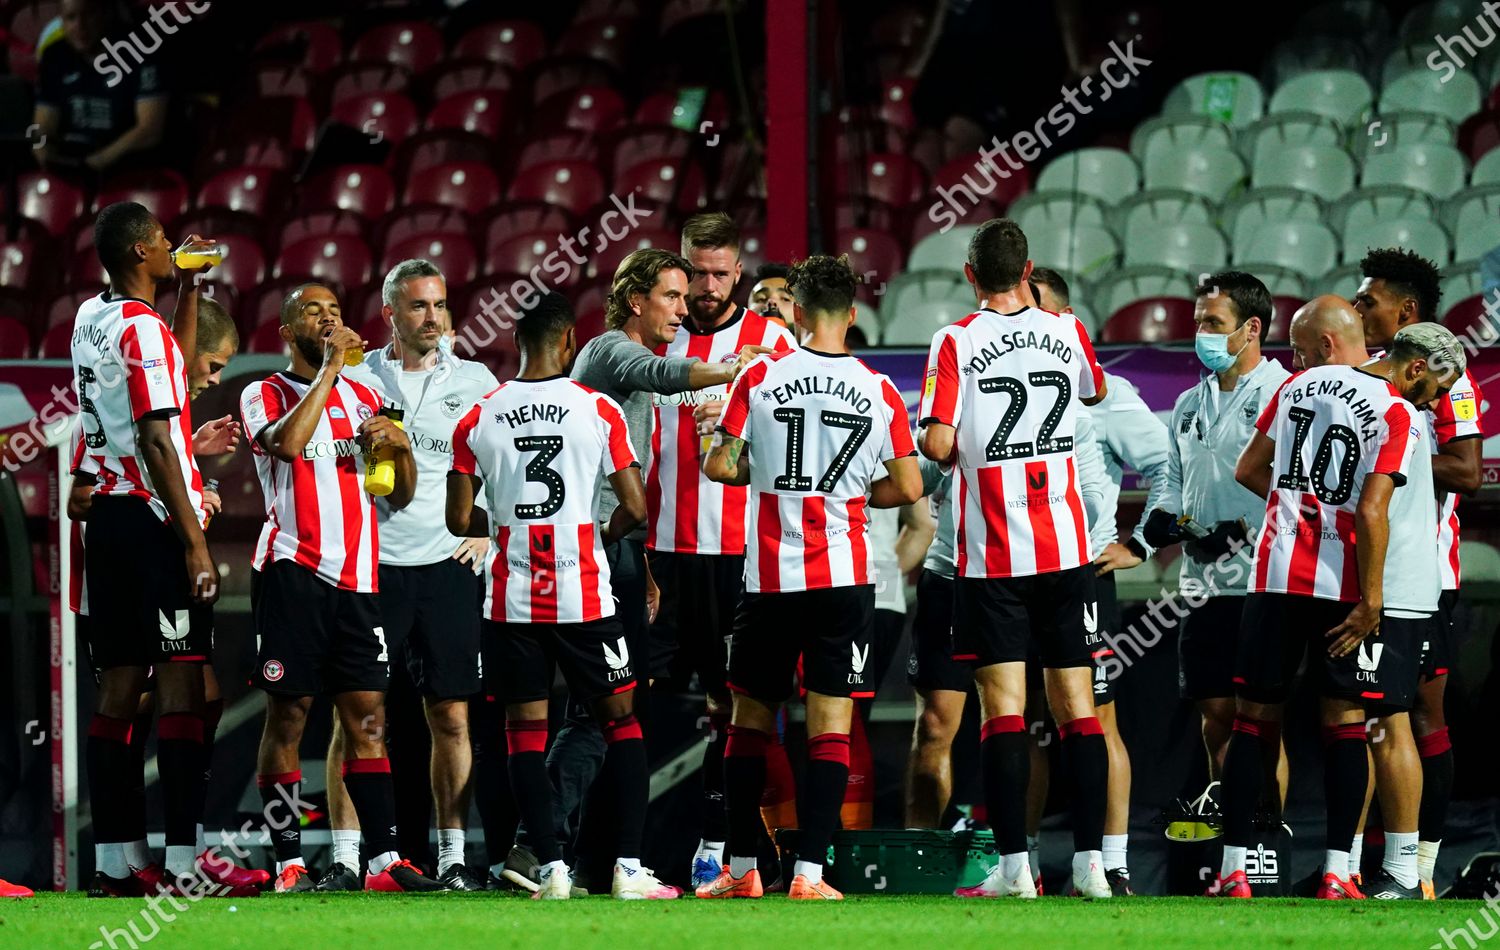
1211, 424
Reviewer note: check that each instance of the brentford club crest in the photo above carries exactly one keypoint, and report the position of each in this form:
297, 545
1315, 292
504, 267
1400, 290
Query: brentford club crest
273, 671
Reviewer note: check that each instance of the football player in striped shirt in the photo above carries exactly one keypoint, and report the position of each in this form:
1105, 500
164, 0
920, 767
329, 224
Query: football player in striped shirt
821, 426
1001, 403
313, 590
1401, 288
695, 527
1330, 450
541, 446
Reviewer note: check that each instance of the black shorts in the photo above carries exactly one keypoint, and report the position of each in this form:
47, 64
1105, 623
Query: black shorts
315, 639
594, 657
1109, 623
931, 664
1437, 648
431, 619
1281, 629
1208, 647
830, 629
996, 618
699, 596
140, 599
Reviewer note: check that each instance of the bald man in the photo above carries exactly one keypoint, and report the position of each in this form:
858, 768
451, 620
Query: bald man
1327, 330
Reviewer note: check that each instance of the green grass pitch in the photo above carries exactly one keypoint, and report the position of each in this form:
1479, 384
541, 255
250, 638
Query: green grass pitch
490, 921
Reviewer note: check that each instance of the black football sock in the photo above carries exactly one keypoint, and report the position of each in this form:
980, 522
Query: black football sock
373, 794
179, 751
213, 711
744, 781
1346, 773
1006, 766
715, 819
497, 806
1437, 783
1085, 762
135, 806
110, 762
526, 748
1241, 780
280, 795
626, 775
823, 794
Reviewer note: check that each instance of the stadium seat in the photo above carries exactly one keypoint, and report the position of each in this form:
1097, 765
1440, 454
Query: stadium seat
383, 116
482, 111
1113, 291
1304, 54
926, 222
1276, 132
513, 43
64, 308
1108, 174
1167, 133
452, 253
275, 79
1235, 99
342, 259
865, 137
1305, 246
1208, 170
365, 190
601, 265
311, 44
1467, 318
1337, 17
1342, 95
318, 224
875, 255
670, 181
1481, 562
257, 191
568, 145
264, 304
411, 220
1426, 90
943, 251
687, 107
966, 181
469, 76
266, 338
1479, 134
1469, 208
15, 341
358, 80
894, 179
50, 200
1154, 320
272, 131
515, 218
1438, 170
1398, 129
1359, 209
1461, 281
1473, 243
633, 145
411, 44
1486, 170
1195, 248
1343, 280
245, 264
1417, 234
1283, 309
592, 109
1323, 170
558, 77
916, 323
1284, 281
913, 285
1246, 212
468, 186
604, 39
57, 344
163, 192
1164, 207
19, 266
429, 149
519, 253
575, 186
1057, 208
1078, 250
1406, 58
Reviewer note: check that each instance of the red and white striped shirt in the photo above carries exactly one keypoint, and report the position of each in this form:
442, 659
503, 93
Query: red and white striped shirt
1010, 384
78, 589
820, 428
542, 448
1333, 426
1456, 416
318, 514
687, 511
127, 365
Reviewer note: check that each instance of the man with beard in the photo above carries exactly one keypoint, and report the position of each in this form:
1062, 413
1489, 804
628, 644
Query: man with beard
313, 593
428, 583
769, 296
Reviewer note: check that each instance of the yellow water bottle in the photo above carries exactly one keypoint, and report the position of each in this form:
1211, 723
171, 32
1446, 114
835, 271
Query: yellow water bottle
380, 470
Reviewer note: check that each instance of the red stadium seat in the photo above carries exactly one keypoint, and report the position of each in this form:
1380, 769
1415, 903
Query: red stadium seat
1281, 319
18, 265
365, 190
427, 149
605, 39
255, 190
19, 305
452, 253
412, 44
274, 79
388, 116
519, 253
876, 256
575, 186
1467, 317
57, 344
854, 212
313, 45
482, 111
685, 108
1153, 320
272, 131
470, 76
963, 177
266, 338
163, 192
509, 220
677, 12
221, 294
422, 219
896, 104
358, 80
470, 186
244, 266
215, 222
893, 179
666, 180
592, 109
513, 43
15, 342
602, 264
752, 250
554, 77
320, 224
631, 146
923, 223
859, 138
342, 259
84, 268
1479, 134
566, 146
50, 200
64, 308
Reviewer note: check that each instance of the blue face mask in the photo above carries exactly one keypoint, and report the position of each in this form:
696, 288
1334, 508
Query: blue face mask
1213, 351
